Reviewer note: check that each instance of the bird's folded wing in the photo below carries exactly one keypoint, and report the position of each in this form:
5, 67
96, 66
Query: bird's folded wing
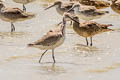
49, 39
67, 5
12, 11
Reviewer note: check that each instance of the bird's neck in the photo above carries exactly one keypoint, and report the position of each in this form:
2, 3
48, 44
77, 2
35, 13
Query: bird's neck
58, 6
63, 29
75, 24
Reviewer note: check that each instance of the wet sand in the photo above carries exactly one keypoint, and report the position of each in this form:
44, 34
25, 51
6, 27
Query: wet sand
75, 61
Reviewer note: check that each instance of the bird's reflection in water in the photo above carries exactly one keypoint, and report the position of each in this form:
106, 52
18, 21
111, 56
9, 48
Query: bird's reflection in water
13, 34
105, 69
50, 68
84, 50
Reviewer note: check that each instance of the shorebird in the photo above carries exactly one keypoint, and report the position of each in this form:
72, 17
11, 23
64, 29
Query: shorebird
23, 2
88, 28
87, 12
115, 6
99, 4
13, 15
62, 7
52, 40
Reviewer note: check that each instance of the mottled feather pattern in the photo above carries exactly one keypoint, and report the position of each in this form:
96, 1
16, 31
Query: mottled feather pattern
83, 7
50, 38
90, 28
67, 5
13, 12
96, 3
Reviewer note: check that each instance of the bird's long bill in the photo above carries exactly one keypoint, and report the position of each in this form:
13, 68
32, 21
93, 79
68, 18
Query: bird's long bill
73, 19
49, 7
70, 9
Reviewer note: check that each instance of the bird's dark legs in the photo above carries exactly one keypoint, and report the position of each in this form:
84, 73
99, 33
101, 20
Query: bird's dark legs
12, 27
24, 8
70, 22
42, 55
87, 41
91, 41
59, 23
53, 55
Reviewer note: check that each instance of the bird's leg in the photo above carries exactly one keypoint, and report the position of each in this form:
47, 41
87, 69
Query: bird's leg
91, 41
70, 22
53, 55
59, 23
42, 55
24, 8
12, 27
87, 41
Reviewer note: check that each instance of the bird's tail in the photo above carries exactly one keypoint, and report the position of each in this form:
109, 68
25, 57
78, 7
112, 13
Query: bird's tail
109, 24
103, 12
111, 29
118, 29
30, 15
30, 45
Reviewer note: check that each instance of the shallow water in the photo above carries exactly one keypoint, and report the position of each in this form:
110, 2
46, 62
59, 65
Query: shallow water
75, 61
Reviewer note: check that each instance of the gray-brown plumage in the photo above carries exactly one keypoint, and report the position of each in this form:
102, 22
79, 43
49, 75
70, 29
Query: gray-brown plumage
62, 7
88, 28
13, 14
52, 40
99, 4
87, 12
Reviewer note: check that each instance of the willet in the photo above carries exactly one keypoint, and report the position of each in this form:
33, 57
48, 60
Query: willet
88, 28
99, 4
52, 40
13, 15
87, 12
62, 7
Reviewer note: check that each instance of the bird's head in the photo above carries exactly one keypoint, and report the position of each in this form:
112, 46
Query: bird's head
56, 3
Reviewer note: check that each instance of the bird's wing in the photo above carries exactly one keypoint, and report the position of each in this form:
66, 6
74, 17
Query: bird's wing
92, 24
67, 5
49, 39
12, 11
88, 24
87, 8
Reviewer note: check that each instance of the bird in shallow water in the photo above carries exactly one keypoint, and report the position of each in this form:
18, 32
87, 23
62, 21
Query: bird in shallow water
24, 2
88, 28
13, 15
52, 40
99, 4
61, 7
87, 12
